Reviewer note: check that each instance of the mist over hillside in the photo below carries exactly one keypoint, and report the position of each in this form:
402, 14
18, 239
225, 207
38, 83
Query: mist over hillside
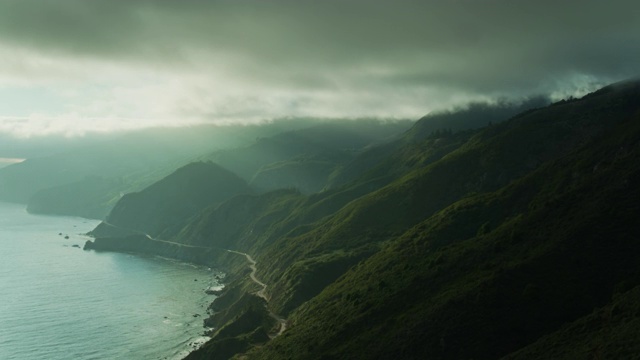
446, 242
363, 179
88, 180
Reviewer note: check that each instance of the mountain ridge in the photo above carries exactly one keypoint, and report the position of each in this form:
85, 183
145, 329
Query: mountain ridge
470, 248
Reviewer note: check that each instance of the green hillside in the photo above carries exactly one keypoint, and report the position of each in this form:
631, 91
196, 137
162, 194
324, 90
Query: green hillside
411, 151
487, 162
164, 207
491, 273
504, 241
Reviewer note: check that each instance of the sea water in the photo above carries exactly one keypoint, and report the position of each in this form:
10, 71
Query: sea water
60, 302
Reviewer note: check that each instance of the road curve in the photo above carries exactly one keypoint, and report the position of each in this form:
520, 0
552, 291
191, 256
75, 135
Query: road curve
252, 265
262, 292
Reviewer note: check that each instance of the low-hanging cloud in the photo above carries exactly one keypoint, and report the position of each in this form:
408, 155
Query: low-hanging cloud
222, 60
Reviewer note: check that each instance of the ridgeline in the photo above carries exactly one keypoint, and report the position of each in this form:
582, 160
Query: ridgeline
512, 239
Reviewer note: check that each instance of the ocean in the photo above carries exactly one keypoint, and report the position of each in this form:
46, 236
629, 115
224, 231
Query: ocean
60, 302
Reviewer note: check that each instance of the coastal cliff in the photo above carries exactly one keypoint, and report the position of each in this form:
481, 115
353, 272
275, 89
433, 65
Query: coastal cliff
476, 244
145, 245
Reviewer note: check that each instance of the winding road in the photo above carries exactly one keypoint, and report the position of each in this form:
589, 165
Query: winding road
252, 265
262, 292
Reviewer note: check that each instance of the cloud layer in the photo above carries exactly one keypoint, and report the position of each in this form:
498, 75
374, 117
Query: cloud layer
113, 64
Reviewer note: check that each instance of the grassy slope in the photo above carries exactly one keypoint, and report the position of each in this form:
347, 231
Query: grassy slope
162, 208
309, 243
477, 228
610, 332
487, 162
493, 272
410, 151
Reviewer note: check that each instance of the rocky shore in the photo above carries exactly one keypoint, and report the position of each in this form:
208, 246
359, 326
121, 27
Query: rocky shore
238, 318
143, 244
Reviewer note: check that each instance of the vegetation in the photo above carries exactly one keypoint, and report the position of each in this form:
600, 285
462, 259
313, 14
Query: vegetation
514, 240
162, 208
491, 273
244, 324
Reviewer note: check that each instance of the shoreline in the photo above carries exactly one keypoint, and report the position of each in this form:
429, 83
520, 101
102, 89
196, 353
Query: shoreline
81, 297
217, 276
143, 244
233, 300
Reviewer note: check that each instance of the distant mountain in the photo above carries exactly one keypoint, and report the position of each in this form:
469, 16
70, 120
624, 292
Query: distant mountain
91, 197
305, 158
485, 243
61, 183
120, 158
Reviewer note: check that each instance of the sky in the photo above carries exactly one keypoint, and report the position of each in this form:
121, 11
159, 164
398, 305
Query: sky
71, 67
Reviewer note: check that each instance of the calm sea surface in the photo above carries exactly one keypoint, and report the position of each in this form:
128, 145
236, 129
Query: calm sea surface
60, 302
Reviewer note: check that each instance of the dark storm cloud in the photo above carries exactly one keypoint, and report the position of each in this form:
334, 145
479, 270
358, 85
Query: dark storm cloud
432, 52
